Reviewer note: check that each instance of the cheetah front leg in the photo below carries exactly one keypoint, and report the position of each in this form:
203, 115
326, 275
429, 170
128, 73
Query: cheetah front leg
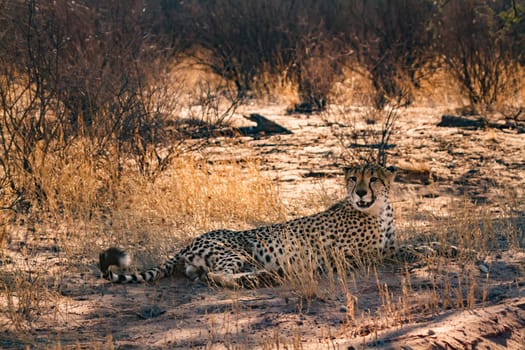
417, 252
248, 280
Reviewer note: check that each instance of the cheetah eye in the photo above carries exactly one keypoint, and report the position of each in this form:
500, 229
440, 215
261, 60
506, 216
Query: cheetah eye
373, 179
353, 178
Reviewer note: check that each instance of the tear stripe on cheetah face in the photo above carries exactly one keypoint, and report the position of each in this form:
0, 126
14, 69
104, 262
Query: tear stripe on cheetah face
359, 225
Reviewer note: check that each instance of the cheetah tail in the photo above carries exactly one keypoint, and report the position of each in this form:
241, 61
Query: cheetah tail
117, 257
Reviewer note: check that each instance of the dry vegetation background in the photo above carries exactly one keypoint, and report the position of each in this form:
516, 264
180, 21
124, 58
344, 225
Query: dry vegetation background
111, 116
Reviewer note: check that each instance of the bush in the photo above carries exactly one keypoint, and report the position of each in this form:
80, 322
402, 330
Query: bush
480, 43
238, 40
392, 41
78, 70
246, 41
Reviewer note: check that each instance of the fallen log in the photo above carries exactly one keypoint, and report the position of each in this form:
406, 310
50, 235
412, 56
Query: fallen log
452, 121
263, 125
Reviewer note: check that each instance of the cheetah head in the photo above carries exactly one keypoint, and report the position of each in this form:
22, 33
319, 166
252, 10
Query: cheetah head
368, 186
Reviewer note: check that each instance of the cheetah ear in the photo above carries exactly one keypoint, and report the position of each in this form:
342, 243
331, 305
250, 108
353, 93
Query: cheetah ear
390, 173
348, 169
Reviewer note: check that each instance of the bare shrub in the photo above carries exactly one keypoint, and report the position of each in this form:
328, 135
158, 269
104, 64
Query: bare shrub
248, 41
212, 104
76, 71
392, 41
240, 39
479, 46
26, 102
367, 135
319, 65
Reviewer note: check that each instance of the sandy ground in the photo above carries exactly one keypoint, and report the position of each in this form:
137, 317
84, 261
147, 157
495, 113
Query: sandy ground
371, 309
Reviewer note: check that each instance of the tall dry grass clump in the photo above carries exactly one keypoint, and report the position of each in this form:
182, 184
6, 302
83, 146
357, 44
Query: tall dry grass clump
202, 195
190, 198
92, 203
110, 197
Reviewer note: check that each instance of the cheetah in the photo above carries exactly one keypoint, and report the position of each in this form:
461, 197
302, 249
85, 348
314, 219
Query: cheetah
362, 224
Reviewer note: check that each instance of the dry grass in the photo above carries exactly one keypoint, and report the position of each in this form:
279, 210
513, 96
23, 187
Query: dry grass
94, 202
191, 191
90, 210
94, 210
209, 195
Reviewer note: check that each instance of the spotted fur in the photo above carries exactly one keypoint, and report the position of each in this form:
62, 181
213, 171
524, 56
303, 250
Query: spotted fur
360, 225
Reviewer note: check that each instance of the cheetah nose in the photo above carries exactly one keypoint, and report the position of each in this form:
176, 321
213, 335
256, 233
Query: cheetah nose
361, 193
